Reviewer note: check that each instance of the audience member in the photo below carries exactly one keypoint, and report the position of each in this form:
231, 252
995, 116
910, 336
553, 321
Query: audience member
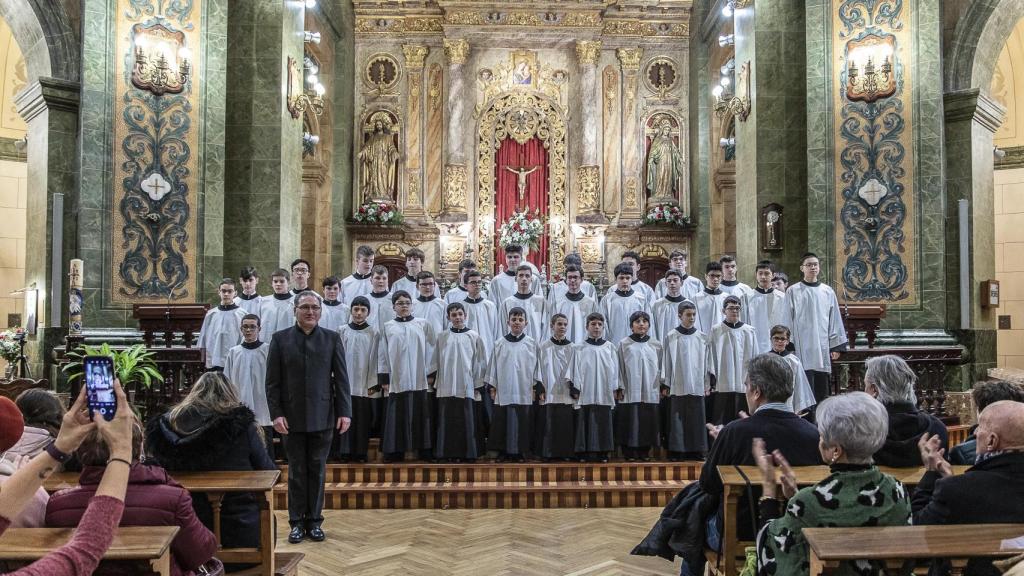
212, 430
769, 383
990, 492
95, 532
153, 498
852, 427
984, 393
891, 381
12, 426
42, 411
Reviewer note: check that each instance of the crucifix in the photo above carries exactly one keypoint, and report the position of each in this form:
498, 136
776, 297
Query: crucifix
522, 171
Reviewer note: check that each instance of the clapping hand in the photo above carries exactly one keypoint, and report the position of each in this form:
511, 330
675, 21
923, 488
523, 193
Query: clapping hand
932, 455
774, 467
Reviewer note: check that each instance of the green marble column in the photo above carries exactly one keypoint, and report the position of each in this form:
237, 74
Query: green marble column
771, 145
700, 123
344, 111
263, 166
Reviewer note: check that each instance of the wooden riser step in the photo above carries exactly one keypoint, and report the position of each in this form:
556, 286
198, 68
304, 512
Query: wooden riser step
509, 472
408, 495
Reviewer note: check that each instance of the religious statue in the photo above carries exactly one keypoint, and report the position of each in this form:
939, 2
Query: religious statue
522, 173
664, 163
379, 160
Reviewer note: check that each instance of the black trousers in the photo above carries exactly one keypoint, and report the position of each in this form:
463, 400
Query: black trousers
307, 471
821, 383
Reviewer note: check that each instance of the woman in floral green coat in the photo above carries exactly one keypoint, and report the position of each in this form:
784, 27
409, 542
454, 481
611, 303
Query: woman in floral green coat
853, 426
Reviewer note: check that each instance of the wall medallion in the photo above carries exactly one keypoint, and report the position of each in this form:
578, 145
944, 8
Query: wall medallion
382, 73
661, 76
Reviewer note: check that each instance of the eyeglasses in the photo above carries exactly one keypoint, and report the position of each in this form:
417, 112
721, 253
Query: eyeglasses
474, 282
309, 308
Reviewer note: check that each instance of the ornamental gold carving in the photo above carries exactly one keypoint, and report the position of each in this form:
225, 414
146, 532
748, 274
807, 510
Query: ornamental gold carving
455, 181
456, 51
415, 55
588, 51
551, 130
644, 29
545, 19
630, 57
590, 252
434, 89
588, 180
414, 191
393, 26
631, 190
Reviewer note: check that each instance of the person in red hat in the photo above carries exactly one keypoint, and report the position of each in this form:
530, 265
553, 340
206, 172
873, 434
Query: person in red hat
12, 426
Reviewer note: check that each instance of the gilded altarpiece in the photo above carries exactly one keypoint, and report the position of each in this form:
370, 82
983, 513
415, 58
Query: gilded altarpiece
875, 244
155, 156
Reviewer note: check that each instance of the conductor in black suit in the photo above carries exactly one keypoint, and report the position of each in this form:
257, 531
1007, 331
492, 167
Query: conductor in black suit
308, 396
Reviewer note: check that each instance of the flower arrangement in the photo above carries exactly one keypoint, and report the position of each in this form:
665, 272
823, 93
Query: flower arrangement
522, 229
379, 212
666, 213
10, 344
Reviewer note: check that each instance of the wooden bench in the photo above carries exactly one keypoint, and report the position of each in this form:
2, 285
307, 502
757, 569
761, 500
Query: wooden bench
131, 543
958, 434
734, 487
216, 485
895, 545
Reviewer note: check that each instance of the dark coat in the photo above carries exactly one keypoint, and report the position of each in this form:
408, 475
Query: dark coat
990, 492
964, 454
906, 426
680, 529
153, 499
307, 381
795, 437
229, 441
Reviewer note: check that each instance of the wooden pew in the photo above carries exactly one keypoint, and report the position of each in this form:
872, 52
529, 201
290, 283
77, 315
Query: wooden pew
216, 485
895, 545
958, 434
735, 487
139, 543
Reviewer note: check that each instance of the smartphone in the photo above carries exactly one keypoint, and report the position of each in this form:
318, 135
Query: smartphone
99, 386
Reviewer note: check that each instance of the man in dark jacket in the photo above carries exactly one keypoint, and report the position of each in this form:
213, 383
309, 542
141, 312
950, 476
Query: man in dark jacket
769, 384
308, 396
990, 492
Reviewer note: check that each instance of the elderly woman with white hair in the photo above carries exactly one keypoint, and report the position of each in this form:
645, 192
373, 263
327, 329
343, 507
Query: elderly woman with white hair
891, 381
853, 427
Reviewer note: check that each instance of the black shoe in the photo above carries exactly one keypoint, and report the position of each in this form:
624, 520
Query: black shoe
316, 534
298, 534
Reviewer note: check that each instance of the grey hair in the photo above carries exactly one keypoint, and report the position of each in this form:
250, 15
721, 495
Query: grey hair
306, 294
772, 375
854, 421
893, 378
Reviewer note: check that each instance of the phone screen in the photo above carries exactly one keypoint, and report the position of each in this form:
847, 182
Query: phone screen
99, 386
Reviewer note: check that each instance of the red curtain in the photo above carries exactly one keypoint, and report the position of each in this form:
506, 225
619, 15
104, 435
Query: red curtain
506, 200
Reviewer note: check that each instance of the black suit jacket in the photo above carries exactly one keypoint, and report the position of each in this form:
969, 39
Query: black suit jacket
991, 492
307, 381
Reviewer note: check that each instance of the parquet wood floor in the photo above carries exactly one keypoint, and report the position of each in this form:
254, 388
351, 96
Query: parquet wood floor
562, 542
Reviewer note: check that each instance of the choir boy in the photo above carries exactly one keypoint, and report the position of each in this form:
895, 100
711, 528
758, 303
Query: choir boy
639, 286
403, 369
300, 276
557, 414
246, 368
429, 307
730, 284
527, 300
685, 376
220, 330
593, 379
460, 371
763, 306
511, 378
665, 311
379, 297
335, 313
460, 291
248, 299
617, 306
733, 343
358, 283
572, 303
504, 285
637, 424
811, 311
361, 342
803, 397
414, 258
276, 312
780, 281
710, 300
678, 261
482, 318
559, 288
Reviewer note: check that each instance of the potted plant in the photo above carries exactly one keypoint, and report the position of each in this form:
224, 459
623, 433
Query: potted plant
133, 365
10, 349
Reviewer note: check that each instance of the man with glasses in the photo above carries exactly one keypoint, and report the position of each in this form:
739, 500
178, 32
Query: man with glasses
308, 397
300, 276
811, 311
